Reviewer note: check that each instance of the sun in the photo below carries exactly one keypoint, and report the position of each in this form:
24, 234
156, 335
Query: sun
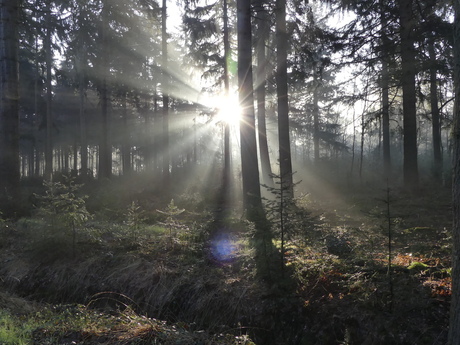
229, 110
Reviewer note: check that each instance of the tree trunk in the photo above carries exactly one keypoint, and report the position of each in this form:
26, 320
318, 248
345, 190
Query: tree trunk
82, 117
105, 148
411, 178
249, 162
435, 117
385, 96
49, 112
454, 325
227, 168
156, 133
9, 107
165, 146
126, 145
262, 37
282, 96
315, 115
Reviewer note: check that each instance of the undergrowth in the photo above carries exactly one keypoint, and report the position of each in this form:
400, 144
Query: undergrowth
78, 324
138, 261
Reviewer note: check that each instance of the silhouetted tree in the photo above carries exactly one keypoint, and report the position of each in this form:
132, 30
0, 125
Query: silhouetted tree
282, 98
249, 162
454, 324
9, 104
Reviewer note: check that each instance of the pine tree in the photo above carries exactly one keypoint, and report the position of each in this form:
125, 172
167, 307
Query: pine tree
9, 106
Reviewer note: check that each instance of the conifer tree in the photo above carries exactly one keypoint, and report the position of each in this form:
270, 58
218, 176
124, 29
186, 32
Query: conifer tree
9, 104
454, 324
249, 161
282, 99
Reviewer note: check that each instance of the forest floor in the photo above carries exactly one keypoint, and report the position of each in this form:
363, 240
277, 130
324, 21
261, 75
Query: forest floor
140, 276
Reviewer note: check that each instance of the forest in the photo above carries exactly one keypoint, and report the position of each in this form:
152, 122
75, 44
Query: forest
229, 172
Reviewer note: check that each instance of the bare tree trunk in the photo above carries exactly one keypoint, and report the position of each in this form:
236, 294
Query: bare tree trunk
282, 96
9, 107
454, 325
105, 148
82, 115
249, 161
227, 167
385, 96
435, 117
36, 95
411, 177
262, 37
315, 115
49, 112
126, 145
156, 133
165, 146
353, 148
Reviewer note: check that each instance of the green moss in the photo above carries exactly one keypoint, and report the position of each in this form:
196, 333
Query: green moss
12, 331
416, 265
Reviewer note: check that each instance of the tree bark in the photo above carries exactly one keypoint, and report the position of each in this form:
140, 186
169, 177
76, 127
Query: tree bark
49, 112
315, 114
105, 148
454, 324
82, 114
263, 30
166, 153
249, 161
227, 92
126, 145
9, 107
282, 95
411, 177
385, 96
435, 116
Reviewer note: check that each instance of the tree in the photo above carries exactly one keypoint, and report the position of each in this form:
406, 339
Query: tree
249, 161
408, 72
436, 38
165, 84
105, 148
282, 98
263, 24
454, 324
227, 166
49, 94
435, 116
9, 104
385, 85
80, 46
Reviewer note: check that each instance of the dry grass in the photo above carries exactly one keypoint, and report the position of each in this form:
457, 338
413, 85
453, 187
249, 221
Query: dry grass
335, 299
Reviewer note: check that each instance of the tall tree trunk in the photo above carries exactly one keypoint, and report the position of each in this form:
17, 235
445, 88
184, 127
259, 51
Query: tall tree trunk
36, 95
9, 107
435, 117
165, 90
156, 133
227, 168
353, 148
105, 148
454, 324
282, 96
148, 119
315, 114
126, 146
49, 112
249, 161
411, 177
82, 115
262, 37
385, 95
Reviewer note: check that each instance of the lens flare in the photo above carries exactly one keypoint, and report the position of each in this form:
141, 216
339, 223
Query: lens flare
224, 247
